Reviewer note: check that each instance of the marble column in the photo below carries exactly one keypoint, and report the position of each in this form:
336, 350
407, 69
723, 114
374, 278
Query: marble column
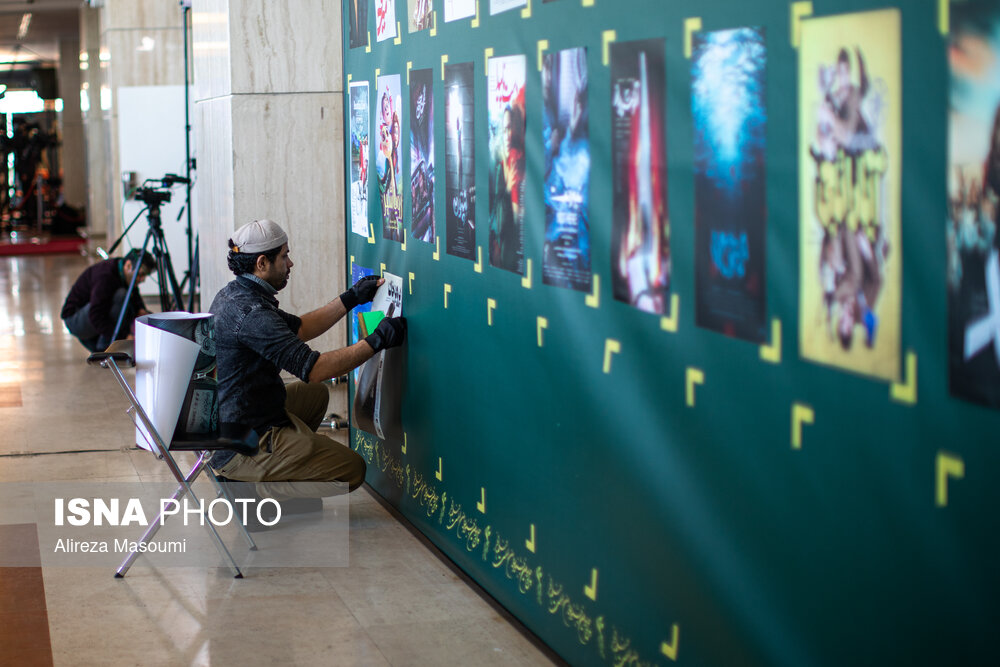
72, 158
96, 142
141, 44
269, 127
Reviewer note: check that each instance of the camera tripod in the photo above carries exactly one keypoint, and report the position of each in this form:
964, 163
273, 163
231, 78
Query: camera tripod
169, 289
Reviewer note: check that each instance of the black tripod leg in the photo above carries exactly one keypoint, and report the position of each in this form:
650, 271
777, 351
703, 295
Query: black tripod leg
193, 275
131, 285
169, 288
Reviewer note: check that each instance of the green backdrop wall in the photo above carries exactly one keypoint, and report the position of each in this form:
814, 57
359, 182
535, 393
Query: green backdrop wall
641, 490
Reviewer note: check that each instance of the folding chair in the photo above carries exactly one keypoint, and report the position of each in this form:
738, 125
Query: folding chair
239, 438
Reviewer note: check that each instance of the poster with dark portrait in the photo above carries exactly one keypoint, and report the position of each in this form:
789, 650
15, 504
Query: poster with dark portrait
974, 203
358, 16
360, 153
506, 121
729, 109
422, 154
850, 163
459, 162
566, 137
640, 227
388, 161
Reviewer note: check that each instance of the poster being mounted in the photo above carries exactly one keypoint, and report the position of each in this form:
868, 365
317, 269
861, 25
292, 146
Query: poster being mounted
388, 160
974, 203
850, 242
729, 110
419, 14
505, 106
640, 227
422, 154
385, 19
498, 6
358, 17
357, 273
459, 162
458, 9
360, 120
566, 137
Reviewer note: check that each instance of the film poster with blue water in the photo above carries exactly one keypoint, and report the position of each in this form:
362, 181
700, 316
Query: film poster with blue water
640, 226
388, 160
974, 203
459, 161
566, 136
422, 154
360, 121
728, 106
850, 164
506, 123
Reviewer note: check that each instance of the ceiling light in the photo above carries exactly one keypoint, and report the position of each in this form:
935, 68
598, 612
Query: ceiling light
22, 31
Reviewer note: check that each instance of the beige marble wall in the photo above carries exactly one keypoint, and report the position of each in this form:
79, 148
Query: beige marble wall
269, 119
275, 68
72, 158
96, 147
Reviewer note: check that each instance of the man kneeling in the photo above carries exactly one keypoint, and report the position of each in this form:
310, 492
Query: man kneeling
255, 340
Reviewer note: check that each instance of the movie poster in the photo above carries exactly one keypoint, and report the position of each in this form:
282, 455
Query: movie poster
358, 17
497, 6
458, 9
422, 154
359, 157
459, 162
640, 228
357, 273
974, 203
385, 19
388, 161
729, 110
566, 137
419, 14
505, 109
850, 241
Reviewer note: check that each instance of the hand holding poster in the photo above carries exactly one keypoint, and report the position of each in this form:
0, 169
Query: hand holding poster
850, 238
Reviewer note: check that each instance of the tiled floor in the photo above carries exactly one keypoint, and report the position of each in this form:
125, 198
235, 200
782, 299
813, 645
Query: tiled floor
396, 604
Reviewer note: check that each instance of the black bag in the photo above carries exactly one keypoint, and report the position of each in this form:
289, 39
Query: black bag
378, 396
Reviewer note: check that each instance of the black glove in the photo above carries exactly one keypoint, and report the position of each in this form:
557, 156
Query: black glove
363, 291
390, 332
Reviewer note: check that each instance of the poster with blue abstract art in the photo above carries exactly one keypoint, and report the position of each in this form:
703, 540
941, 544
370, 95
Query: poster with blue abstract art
728, 105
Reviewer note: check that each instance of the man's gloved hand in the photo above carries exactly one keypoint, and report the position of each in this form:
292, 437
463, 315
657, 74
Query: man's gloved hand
363, 291
390, 332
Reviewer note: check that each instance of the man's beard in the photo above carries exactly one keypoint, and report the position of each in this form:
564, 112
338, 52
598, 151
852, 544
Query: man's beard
280, 284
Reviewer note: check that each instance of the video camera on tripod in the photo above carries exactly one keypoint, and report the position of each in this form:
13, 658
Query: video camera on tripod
159, 191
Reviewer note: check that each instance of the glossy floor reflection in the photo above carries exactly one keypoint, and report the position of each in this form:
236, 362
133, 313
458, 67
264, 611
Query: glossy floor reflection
396, 604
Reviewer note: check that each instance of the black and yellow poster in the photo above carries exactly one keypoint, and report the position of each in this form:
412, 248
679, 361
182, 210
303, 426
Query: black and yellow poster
850, 243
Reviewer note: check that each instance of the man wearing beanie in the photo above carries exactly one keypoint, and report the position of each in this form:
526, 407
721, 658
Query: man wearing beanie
255, 340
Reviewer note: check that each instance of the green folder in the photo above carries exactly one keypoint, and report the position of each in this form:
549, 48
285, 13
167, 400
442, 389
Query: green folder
369, 321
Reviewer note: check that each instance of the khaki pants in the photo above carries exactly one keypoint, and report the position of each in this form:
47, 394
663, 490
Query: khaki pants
294, 461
